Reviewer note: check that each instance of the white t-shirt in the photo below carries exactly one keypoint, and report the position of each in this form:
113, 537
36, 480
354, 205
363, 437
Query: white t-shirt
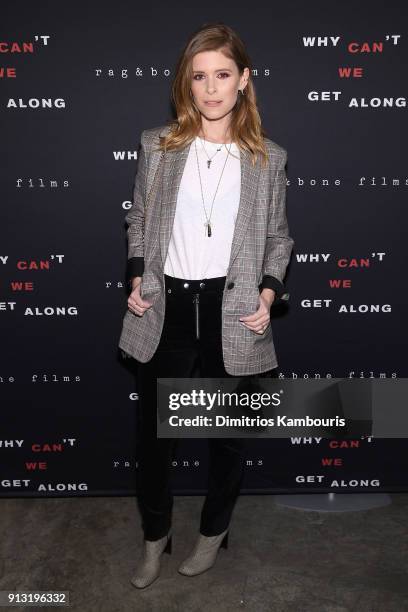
191, 253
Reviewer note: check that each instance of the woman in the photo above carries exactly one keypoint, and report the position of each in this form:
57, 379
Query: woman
208, 251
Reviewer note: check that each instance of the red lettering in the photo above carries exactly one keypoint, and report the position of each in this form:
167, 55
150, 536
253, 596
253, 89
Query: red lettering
348, 72
336, 283
22, 286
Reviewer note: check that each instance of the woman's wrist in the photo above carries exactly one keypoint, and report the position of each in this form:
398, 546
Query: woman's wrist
135, 281
269, 295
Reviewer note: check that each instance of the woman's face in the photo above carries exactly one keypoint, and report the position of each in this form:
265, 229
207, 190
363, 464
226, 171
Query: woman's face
215, 83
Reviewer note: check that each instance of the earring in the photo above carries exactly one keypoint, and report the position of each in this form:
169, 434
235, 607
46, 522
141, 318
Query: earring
241, 91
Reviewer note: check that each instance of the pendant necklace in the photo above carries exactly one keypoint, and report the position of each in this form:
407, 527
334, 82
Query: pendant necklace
209, 160
207, 223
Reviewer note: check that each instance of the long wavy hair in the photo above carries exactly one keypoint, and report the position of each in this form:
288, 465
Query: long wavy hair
245, 126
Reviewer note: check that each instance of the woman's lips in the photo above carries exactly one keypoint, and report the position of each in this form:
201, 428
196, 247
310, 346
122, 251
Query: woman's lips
212, 103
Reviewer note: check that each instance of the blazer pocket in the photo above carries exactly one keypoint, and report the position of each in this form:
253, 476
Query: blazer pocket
256, 334
149, 286
250, 303
250, 344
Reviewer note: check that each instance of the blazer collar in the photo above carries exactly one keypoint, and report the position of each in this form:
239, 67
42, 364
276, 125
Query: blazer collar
173, 167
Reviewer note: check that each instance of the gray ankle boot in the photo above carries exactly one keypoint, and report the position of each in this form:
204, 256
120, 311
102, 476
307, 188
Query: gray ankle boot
149, 566
204, 554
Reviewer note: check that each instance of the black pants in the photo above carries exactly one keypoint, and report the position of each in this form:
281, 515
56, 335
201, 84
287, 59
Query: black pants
190, 346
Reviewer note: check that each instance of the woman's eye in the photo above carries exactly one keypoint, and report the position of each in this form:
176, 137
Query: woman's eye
223, 74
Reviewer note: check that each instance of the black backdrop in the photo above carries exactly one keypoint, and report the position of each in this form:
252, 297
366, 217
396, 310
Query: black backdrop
73, 105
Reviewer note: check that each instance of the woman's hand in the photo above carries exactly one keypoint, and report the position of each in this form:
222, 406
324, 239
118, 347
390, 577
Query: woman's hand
136, 304
259, 321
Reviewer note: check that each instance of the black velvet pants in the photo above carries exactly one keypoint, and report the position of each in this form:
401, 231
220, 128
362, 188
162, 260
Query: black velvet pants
190, 346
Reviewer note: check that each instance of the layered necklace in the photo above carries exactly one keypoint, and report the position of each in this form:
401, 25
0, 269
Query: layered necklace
207, 224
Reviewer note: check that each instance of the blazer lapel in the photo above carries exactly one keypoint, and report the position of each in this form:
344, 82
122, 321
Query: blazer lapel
173, 167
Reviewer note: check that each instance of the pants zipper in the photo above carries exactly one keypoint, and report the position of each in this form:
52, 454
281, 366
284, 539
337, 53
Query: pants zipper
196, 301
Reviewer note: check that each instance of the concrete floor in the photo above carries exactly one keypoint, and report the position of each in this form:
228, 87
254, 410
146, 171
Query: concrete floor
278, 559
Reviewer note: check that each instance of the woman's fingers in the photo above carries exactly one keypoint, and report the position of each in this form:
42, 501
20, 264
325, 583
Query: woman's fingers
258, 321
136, 304
138, 309
259, 325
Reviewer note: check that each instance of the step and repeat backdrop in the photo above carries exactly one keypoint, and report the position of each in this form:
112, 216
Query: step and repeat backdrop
78, 85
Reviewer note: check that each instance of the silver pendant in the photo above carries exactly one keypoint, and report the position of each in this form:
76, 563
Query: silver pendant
209, 163
208, 228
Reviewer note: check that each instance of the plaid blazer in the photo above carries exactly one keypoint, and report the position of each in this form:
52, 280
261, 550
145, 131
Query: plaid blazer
260, 252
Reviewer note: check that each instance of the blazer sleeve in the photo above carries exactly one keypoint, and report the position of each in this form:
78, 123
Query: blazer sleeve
135, 217
279, 244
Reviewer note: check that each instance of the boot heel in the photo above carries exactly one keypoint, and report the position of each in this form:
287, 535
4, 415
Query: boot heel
168, 546
224, 542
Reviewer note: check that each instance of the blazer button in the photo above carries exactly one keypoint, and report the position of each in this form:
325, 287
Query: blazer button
230, 285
